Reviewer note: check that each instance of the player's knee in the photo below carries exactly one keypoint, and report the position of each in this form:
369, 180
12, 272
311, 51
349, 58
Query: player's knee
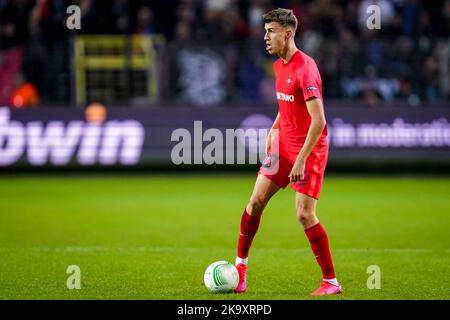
305, 214
256, 205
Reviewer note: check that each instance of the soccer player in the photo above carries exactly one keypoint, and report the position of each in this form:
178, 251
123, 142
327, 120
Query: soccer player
297, 149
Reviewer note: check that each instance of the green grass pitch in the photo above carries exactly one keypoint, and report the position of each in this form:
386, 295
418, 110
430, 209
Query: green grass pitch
152, 237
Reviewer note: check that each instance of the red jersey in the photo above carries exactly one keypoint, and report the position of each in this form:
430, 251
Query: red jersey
297, 81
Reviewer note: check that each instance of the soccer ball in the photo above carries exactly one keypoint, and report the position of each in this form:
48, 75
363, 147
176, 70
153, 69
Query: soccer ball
221, 276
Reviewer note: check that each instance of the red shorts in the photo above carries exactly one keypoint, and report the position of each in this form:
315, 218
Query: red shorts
277, 168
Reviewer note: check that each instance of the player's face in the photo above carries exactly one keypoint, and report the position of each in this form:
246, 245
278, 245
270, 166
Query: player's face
275, 38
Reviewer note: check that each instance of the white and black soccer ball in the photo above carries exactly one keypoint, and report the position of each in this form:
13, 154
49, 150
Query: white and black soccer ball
221, 276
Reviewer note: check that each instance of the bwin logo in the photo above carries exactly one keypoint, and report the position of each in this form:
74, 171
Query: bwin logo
285, 97
105, 143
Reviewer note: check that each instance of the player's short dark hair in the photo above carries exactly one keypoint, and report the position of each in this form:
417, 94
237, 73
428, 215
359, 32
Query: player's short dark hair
285, 17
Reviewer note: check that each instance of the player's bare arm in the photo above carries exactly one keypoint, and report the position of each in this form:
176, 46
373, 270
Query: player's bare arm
271, 133
318, 123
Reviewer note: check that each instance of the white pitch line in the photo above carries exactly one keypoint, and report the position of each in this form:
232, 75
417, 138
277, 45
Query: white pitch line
93, 249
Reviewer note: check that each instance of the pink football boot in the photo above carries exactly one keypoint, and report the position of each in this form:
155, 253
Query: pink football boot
242, 285
327, 288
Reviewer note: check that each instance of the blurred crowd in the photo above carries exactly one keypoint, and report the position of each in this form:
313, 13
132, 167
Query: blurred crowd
407, 59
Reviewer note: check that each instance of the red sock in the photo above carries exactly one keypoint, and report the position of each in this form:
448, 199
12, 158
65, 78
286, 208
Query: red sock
249, 226
319, 245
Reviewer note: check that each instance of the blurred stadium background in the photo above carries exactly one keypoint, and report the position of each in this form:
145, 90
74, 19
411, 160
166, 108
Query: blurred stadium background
109, 96
386, 91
